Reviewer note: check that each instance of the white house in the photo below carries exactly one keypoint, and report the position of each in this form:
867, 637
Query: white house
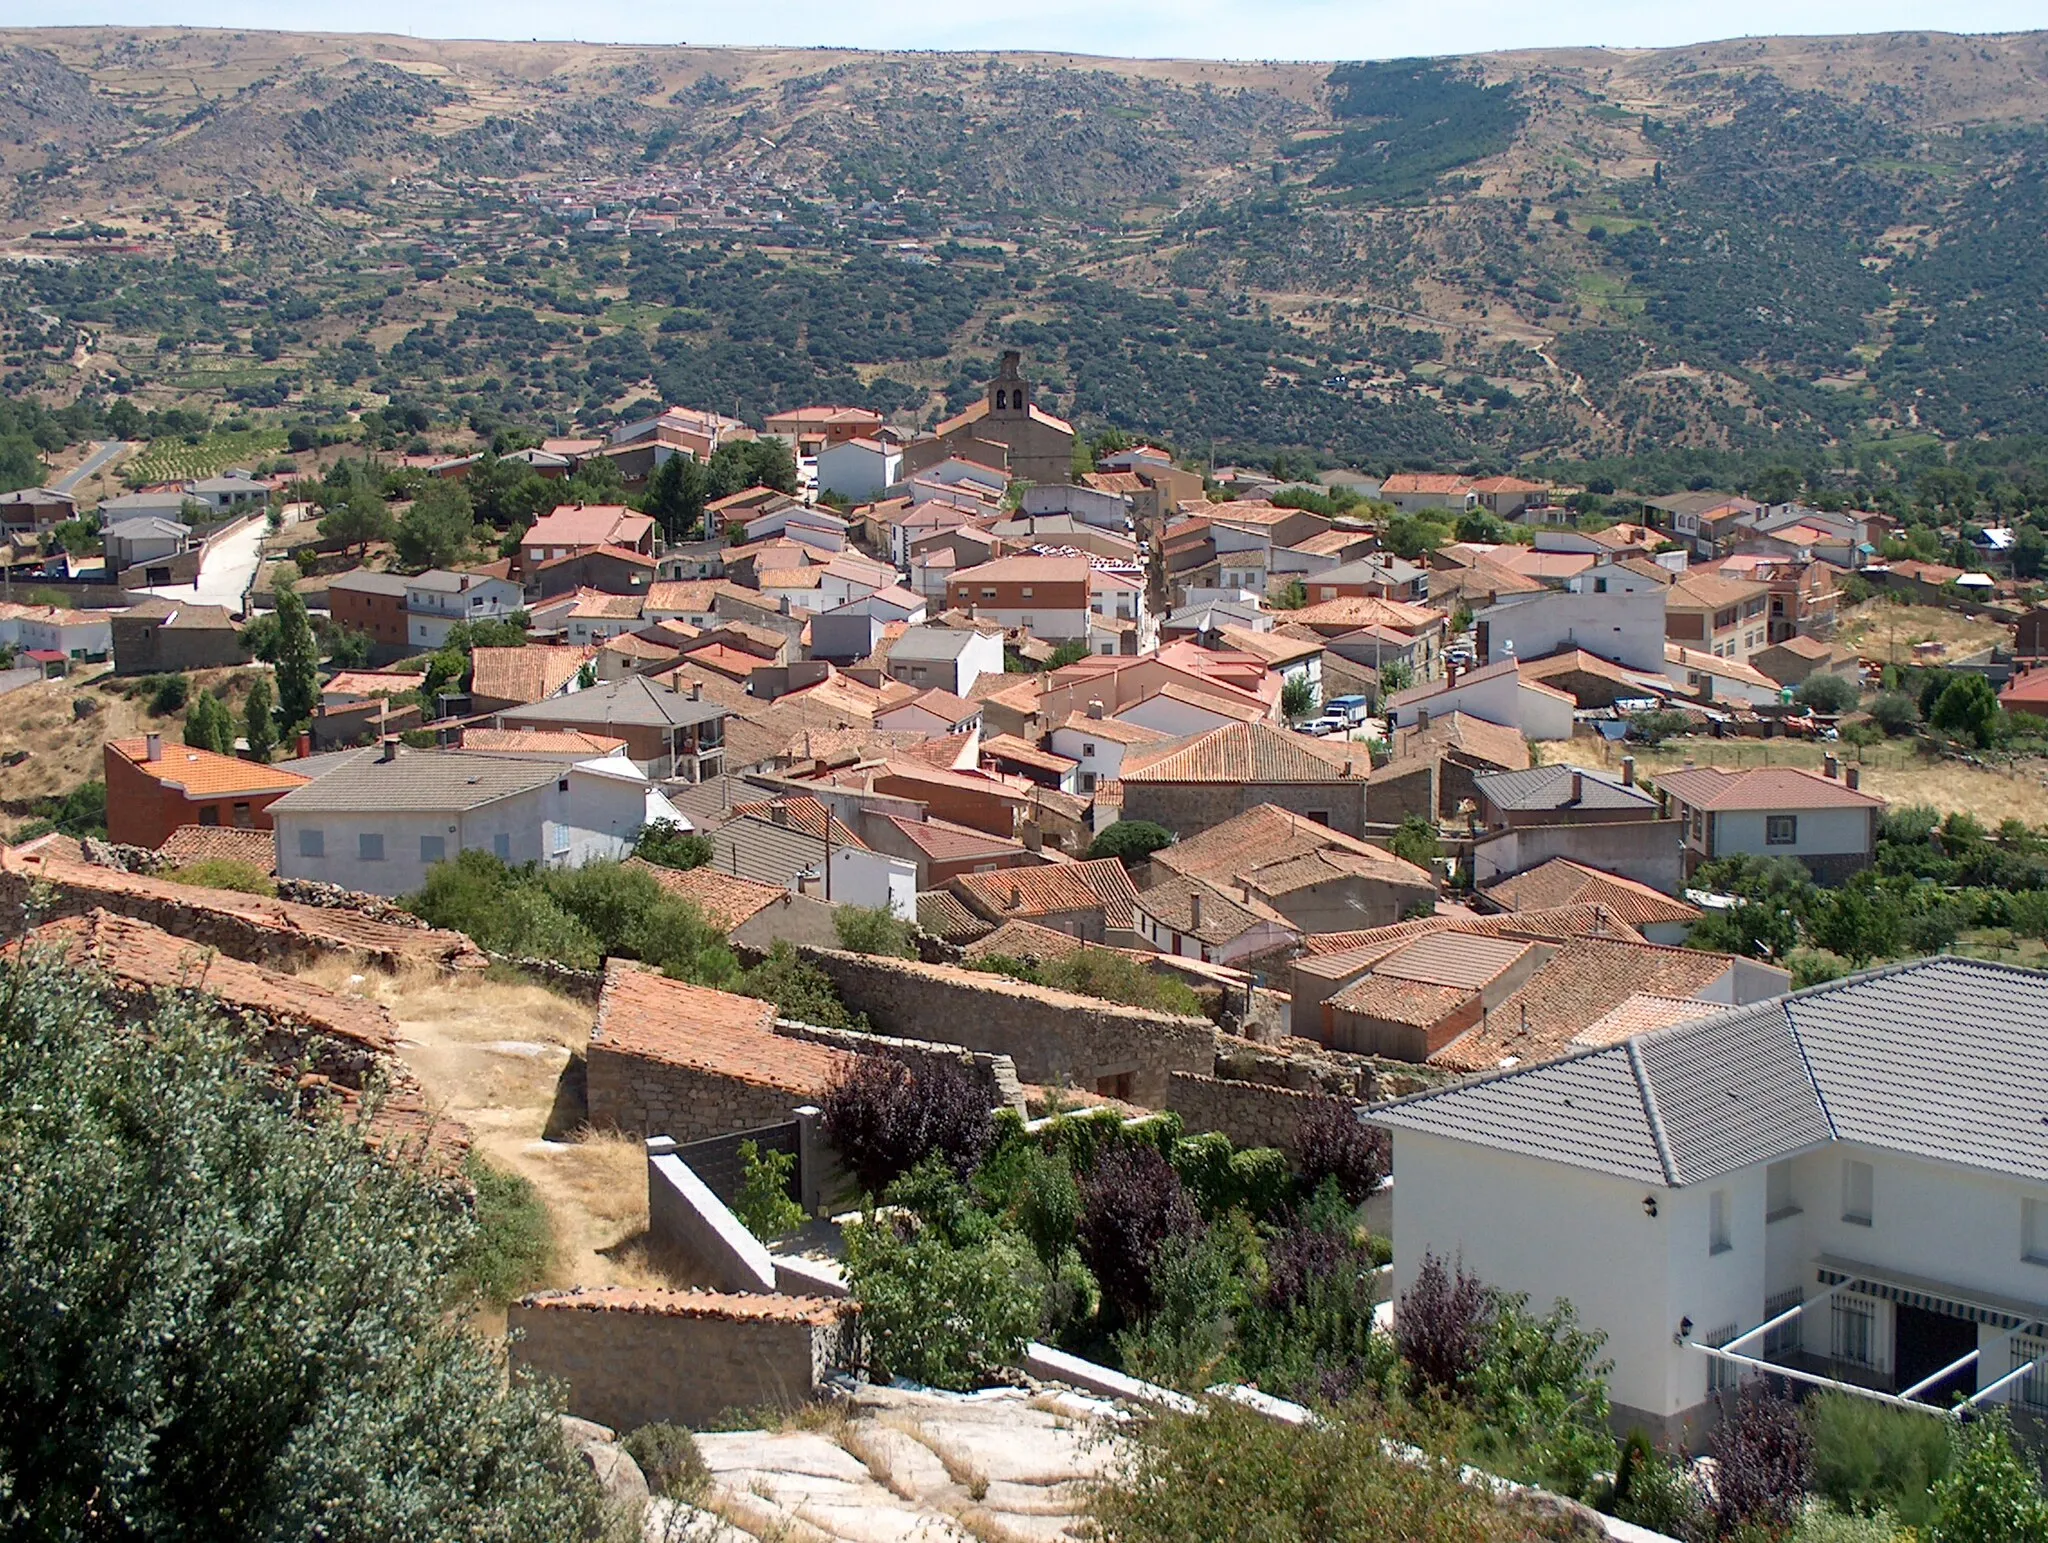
934, 712
231, 491
859, 468
778, 851
1609, 610
144, 538
437, 599
1495, 692
1098, 744
51, 628
1847, 1185
380, 822
1178, 711
1719, 680
950, 658
1824, 820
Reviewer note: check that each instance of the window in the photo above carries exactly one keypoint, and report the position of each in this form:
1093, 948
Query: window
433, 849
1853, 1319
1718, 1239
370, 847
561, 839
1779, 1201
1087, 749
1320, 816
1781, 830
1087, 782
2034, 1231
1600, 588
501, 847
244, 819
210, 815
1026, 591
1786, 1338
312, 842
1857, 1183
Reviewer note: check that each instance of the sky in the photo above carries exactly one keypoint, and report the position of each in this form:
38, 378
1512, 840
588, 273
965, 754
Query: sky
1214, 29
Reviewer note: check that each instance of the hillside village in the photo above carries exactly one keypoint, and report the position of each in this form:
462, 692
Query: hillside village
1520, 877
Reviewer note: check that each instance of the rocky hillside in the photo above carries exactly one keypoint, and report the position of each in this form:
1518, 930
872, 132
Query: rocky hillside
1820, 241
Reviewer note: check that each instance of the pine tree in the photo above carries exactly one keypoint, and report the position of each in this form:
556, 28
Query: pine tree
298, 662
259, 727
209, 725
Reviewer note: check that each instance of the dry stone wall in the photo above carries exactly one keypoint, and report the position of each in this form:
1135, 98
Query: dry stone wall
1251, 1114
643, 1096
996, 1073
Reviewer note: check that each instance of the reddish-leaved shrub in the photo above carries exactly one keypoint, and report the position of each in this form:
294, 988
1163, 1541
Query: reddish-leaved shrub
1441, 1324
1333, 1144
1131, 1203
884, 1118
1763, 1461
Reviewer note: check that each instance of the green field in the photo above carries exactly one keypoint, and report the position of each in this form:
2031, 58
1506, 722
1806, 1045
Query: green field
173, 460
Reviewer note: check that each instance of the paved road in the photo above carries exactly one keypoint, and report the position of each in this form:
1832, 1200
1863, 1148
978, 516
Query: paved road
225, 571
103, 451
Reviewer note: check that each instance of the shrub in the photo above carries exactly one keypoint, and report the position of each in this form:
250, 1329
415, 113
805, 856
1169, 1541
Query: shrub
513, 1244
799, 990
1991, 1492
1335, 1144
1827, 693
1441, 1325
667, 845
1764, 1460
1197, 1290
1869, 1457
1653, 1493
1540, 1394
1047, 1203
884, 1118
477, 894
1131, 1204
1415, 841
1894, 712
1297, 696
668, 1458
1109, 976
1130, 841
864, 929
1310, 1332
224, 873
945, 1312
763, 1204
167, 694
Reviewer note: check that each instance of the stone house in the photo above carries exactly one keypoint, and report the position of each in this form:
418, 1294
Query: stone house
1216, 776
161, 637
1004, 429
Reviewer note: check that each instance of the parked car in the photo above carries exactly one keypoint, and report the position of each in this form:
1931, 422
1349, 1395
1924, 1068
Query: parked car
1352, 709
1327, 723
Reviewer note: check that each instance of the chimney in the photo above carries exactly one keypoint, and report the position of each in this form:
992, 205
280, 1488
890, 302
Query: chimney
1194, 909
1852, 777
1095, 709
1016, 896
1628, 771
1578, 785
388, 750
1830, 768
778, 813
696, 691
1422, 717
152, 747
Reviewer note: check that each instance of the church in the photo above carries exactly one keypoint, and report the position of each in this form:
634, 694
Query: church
1004, 430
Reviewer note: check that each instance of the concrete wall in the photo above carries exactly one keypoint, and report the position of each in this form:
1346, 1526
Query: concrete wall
1647, 851
635, 1358
1251, 1114
1624, 624
1052, 1036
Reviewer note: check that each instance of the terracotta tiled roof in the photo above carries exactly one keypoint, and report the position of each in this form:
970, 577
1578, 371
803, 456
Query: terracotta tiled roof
1493, 743
1564, 882
1349, 611
221, 843
1425, 482
1246, 845
1394, 1000
202, 773
1221, 703
1112, 884
1710, 592
641, 1013
1045, 891
944, 842
726, 899
1026, 569
1008, 747
532, 673
802, 812
1023, 940
945, 915
1240, 752
694, 595
1762, 788
1556, 925
597, 605
1583, 982
1116, 730
604, 549
540, 741
940, 704
1453, 958
1171, 903
819, 1312
368, 683
1277, 649
588, 525
1644, 1014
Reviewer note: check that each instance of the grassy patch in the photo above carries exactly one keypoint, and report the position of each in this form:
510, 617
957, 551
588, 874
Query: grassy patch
514, 1242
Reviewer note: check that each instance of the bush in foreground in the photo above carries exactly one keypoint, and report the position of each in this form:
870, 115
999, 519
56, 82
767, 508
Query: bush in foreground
885, 1117
254, 1339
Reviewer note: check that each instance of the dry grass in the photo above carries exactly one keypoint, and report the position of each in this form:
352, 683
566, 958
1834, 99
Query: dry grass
64, 749
1880, 630
491, 1055
1897, 773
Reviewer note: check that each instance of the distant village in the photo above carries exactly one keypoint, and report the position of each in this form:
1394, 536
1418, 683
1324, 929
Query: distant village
1384, 814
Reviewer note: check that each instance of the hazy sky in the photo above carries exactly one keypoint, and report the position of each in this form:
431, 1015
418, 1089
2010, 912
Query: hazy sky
1239, 29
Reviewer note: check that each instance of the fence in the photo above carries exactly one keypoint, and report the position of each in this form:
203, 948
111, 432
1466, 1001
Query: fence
716, 1159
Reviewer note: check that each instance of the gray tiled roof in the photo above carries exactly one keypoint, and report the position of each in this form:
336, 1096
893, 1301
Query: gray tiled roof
635, 701
420, 782
766, 852
1550, 787
1945, 1059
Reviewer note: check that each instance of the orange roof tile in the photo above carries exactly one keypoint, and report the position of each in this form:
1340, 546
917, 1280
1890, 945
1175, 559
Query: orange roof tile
539, 742
1394, 1000
642, 1013
221, 843
530, 673
1045, 891
202, 773
1564, 882
1241, 752
1764, 787
726, 899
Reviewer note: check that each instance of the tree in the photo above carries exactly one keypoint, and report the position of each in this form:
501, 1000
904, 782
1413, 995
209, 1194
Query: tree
360, 520
506, 493
866, 929
1293, 598
1333, 1144
1894, 712
1827, 693
1131, 1204
257, 1337
259, 726
676, 495
298, 663
1396, 675
2029, 553
21, 463
750, 463
1297, 696
435, 531
1968, 709
1415, 840
1130, 841
1991, 1494
667, 845
209, 726
885, 1117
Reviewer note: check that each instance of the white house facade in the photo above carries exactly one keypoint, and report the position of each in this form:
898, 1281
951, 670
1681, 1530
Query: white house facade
1845, 1186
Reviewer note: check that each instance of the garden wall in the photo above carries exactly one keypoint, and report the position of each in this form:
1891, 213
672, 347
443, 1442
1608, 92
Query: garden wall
633, 1357
1052, 1037
1251, 1114
995, 1073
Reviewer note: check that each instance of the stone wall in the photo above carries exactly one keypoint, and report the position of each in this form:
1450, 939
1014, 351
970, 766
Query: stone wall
1052, 1037
634, 1357
646, 1097
1251, 1114
1189, 808
996, 1073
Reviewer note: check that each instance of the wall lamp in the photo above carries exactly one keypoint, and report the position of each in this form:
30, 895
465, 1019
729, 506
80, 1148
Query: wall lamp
1684, 1332
1649, 1205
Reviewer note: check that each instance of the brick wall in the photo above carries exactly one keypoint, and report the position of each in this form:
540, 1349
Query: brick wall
1052, 1037
1251, 1114
646, 1097
633, 1358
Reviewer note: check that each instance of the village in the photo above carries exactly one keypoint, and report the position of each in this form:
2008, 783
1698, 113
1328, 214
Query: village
1175, 806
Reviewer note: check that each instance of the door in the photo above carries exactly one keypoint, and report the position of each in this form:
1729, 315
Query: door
1924, 1342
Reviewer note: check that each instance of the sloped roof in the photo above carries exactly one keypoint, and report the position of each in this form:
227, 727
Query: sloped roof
1479, 738
945, 915
1240, 752
1171, 902
203, 773
588, 525
726, 899
221, 843
538, 742
1266, 838
642, 1013
1644, 1013
635, 700
1562, 882
1393, 999
1043, 891
1762, 788
1121, 732
1023, 940
419, 781
1555, 924
945, 842
524, 674
1552, 787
